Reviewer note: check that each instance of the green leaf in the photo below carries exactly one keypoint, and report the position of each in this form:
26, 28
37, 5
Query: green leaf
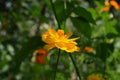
26, 50
104, 50
112, 35
63, 10
16, 16
81, 12
82, 26
117, 27
60, 12
109, 27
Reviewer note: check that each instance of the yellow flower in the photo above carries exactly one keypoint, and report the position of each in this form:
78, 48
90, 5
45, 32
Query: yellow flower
94, 77
60, 40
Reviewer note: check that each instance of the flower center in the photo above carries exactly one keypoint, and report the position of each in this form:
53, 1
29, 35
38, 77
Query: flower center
60, 32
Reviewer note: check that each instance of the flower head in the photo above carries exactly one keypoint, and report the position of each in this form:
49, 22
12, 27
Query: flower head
40, 56
94, 77
60, 40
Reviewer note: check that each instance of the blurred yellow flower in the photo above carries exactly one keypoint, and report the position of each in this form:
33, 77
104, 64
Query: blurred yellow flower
60, 40
94, 77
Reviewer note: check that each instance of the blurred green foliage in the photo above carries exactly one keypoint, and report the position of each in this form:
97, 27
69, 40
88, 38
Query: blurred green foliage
23, 21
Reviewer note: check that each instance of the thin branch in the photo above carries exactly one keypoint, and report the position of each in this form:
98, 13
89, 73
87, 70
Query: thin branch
56, 64
76, 68
52, 4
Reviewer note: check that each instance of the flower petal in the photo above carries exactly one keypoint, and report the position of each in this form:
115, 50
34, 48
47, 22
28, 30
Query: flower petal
61, 45
73, 39
53, 33
72, 47
68, 34
69, 47
49, 46
47, 38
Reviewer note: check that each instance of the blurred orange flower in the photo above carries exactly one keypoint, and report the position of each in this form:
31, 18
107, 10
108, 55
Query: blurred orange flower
107, 8
114, 4
60, 40
111, 3
94, 77
40, 56
88, 49
106, 3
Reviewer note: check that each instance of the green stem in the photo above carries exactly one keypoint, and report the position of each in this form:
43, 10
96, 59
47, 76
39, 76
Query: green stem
76, 68
56, 64
52, 4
